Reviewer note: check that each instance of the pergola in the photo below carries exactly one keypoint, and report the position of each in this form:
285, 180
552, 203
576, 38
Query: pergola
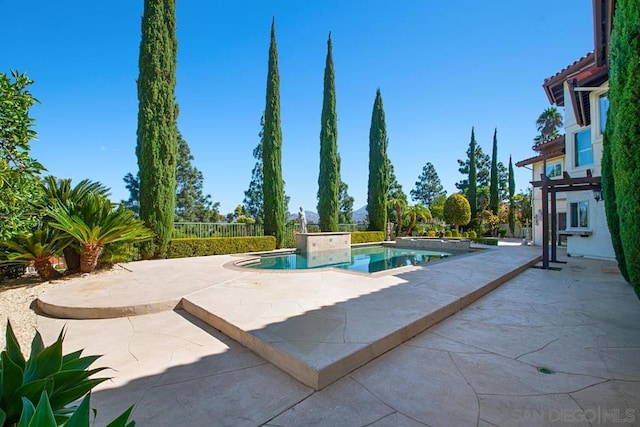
550, 187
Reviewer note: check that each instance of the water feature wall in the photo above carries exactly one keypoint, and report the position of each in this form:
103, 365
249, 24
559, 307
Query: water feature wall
320, 242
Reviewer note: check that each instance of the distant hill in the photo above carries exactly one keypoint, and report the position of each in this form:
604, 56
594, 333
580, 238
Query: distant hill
360, 214
314, 218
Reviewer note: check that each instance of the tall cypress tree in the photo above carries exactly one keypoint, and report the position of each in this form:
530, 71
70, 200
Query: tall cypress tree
329, 176
157, 117
624, 91
378, 168
273, 185
512, 202
494, 200
473, 178
609, 196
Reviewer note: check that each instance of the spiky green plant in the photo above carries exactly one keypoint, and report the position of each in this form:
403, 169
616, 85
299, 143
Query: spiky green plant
95, 224
37, 248
60, 190
42, 390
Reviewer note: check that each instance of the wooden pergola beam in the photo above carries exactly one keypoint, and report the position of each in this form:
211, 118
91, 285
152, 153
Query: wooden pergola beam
553, 187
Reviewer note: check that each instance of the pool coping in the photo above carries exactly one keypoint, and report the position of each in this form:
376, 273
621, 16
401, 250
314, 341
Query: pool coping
248, 257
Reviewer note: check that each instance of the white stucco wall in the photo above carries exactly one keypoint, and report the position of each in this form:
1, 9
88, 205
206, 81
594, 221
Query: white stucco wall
597, 244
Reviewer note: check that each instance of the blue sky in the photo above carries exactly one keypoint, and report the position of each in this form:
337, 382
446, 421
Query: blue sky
442, 67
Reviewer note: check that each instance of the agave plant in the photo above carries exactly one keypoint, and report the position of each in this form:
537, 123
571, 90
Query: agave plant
43, 390
37, 247
60, 190
95, 223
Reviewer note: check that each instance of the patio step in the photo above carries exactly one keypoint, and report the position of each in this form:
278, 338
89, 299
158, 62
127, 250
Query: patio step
318, 326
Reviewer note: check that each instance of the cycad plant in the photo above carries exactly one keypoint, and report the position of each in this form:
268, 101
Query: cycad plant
44, 389
95, 223
37, 247
60, 191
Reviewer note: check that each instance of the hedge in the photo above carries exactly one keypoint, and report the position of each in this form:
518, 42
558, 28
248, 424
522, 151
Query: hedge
486, 241
191, 247
366, 236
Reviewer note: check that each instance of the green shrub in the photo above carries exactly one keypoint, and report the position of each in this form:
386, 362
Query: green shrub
367, 236
431, 233
455, 233
487, 241
472, 234
184, 248
43, 390
502, 231
447, 233
118, 252
436, 228
465, 235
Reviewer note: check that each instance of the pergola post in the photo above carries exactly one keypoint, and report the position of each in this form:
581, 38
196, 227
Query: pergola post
554, 225
545, 224
564, 184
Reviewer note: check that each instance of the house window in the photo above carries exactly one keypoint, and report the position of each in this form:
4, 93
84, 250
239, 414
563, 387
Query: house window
554, 170
583, 149
603, 109
579, 215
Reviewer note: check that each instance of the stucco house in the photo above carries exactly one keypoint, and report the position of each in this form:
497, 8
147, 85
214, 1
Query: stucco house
572, 162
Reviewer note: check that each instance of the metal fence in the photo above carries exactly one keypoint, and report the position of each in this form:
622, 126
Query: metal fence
216, 229
224, 229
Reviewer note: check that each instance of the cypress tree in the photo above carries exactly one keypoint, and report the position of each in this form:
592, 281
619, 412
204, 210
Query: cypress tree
494, 200
273, 185
157, 116
624, 92
609, 197
512, 202
329, 176
473, 184
378, 168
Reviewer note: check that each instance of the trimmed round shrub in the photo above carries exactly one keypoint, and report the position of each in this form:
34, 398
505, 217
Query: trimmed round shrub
447, 233
457, 210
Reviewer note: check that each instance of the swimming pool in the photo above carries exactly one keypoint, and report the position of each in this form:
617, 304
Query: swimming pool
368, 259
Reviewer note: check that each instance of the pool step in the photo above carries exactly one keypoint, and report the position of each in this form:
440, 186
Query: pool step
319, 326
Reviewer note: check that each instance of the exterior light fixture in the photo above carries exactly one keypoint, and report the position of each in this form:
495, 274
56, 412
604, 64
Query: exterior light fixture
597, 194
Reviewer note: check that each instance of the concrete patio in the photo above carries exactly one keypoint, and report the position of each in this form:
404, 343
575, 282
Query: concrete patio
478, 367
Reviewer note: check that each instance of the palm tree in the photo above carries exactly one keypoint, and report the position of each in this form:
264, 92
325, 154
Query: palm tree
59, 190
398, 203
415, 212
548, 123
37, 247
96, 223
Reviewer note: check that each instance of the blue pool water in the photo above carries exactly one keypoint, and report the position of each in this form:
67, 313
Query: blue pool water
369, 259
